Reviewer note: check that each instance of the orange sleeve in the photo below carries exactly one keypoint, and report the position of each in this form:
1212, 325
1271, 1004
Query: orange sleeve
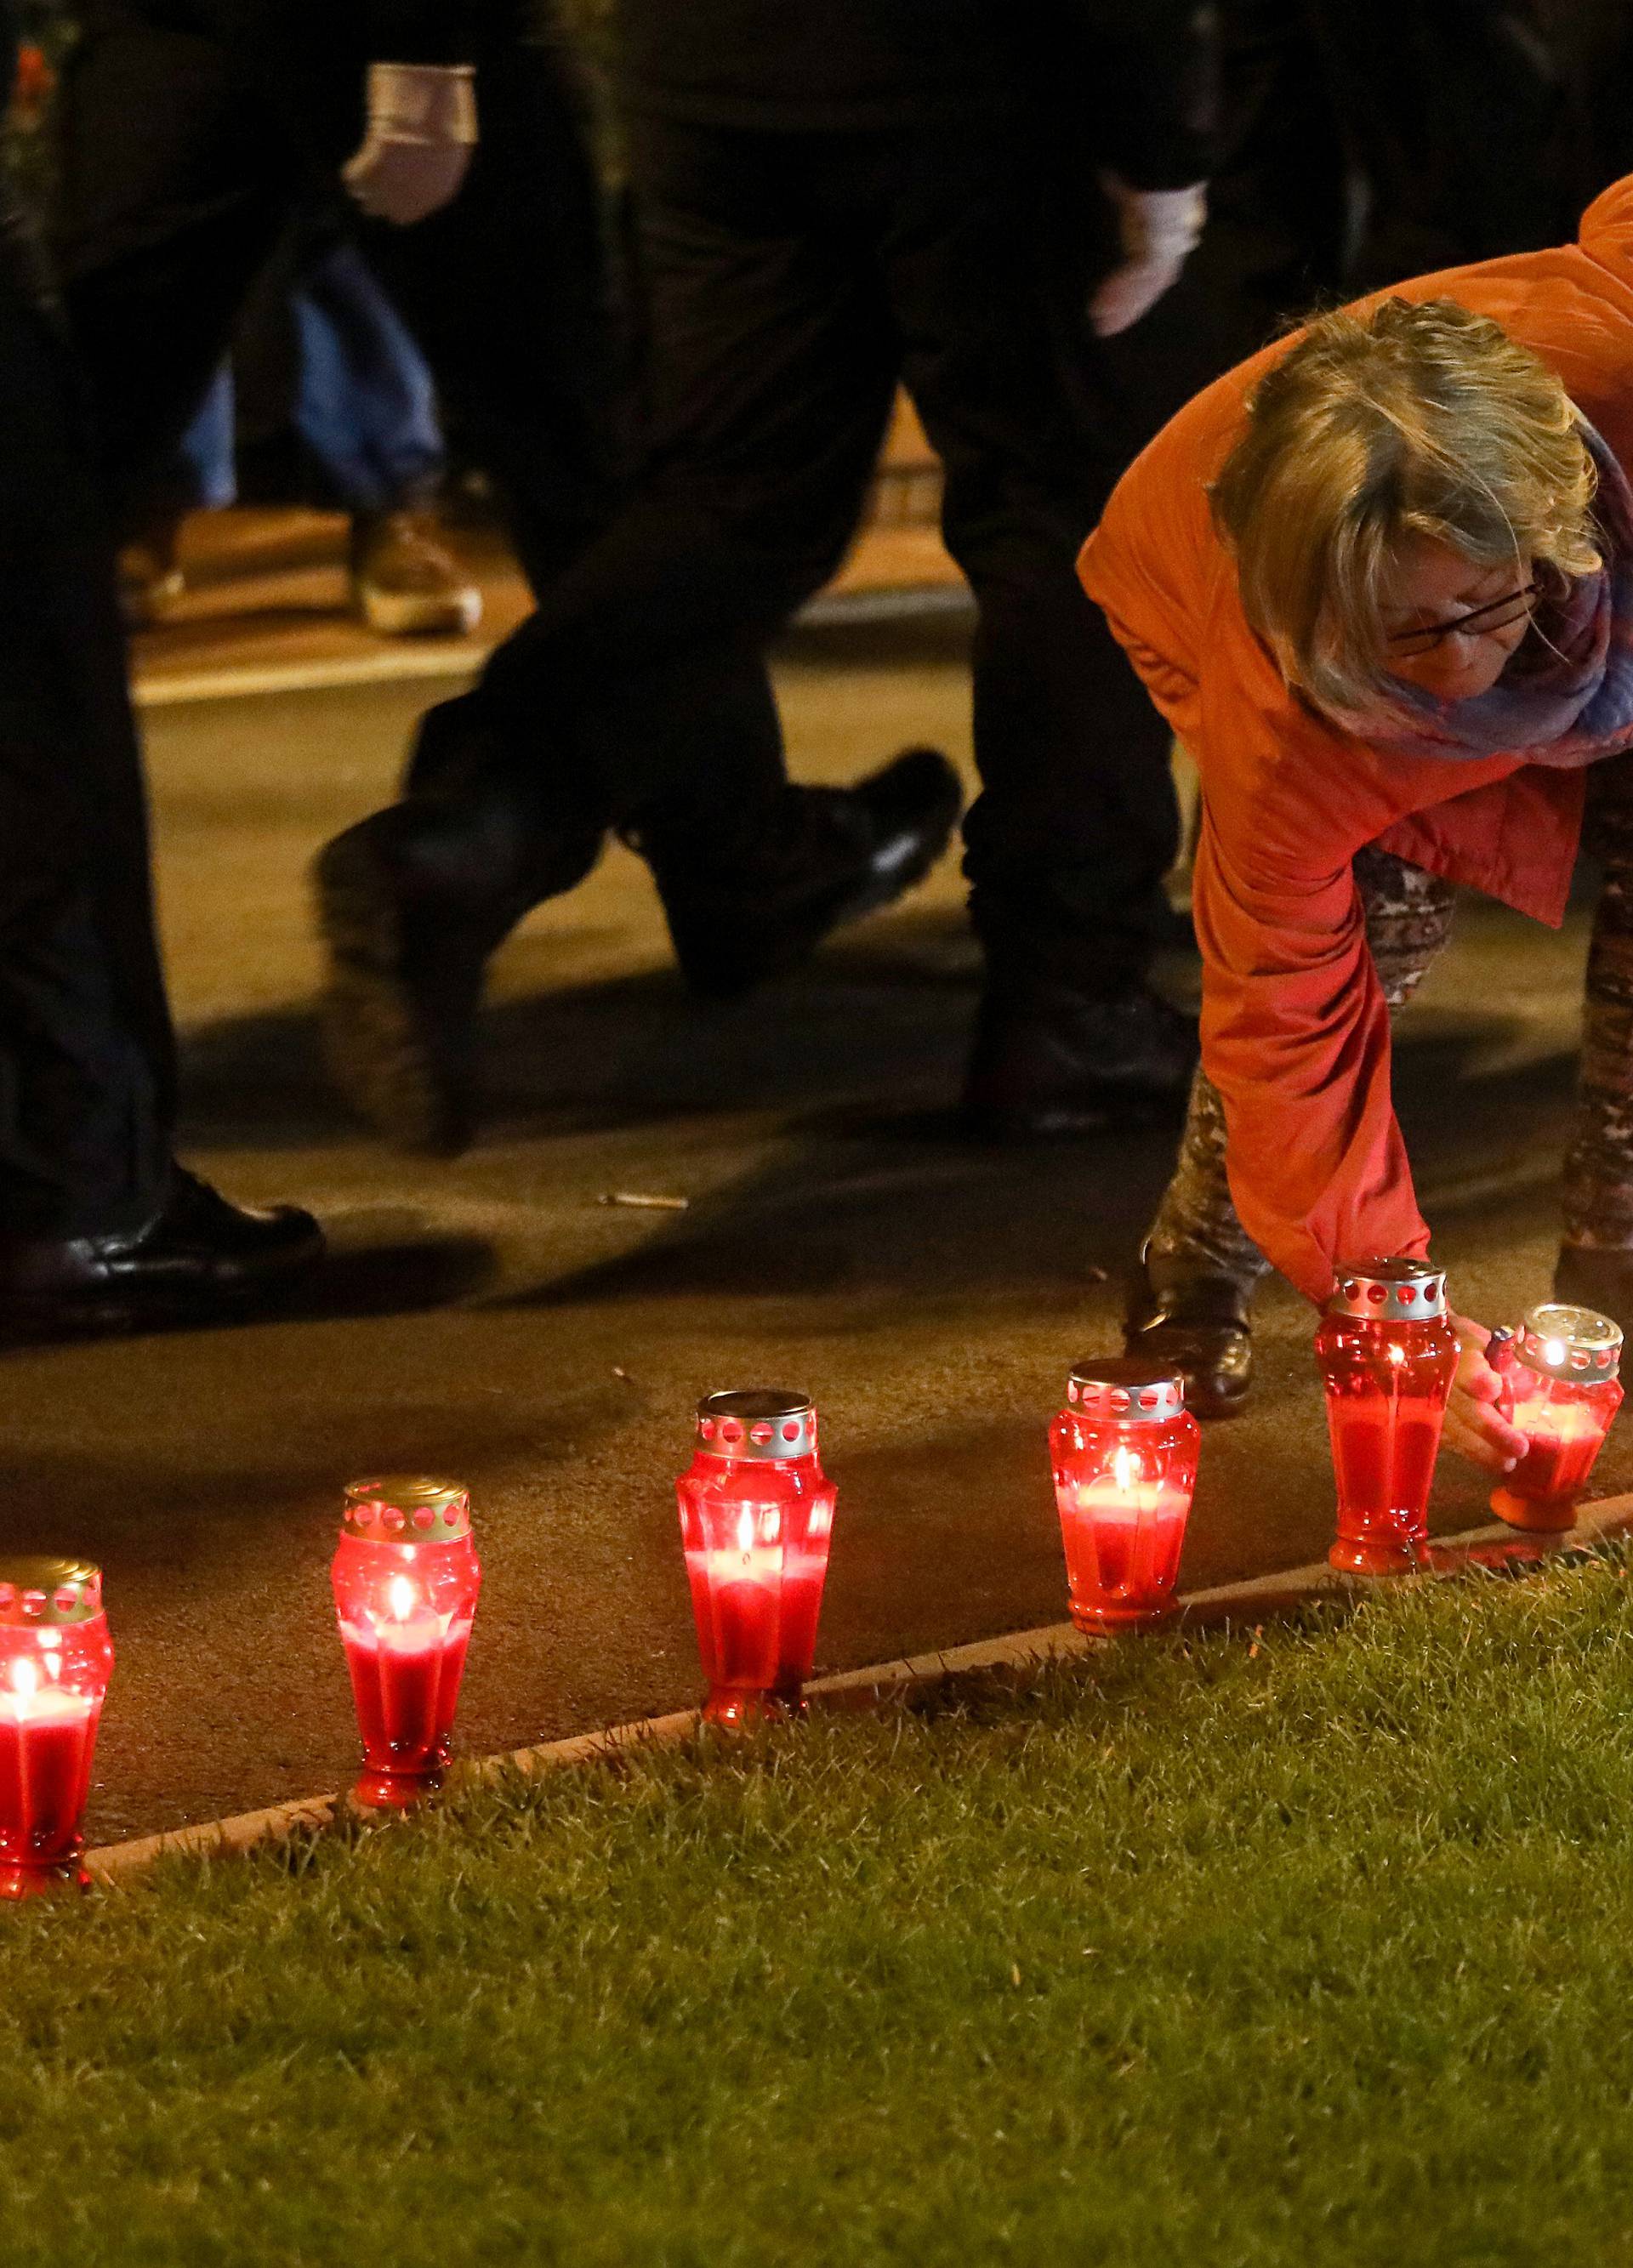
1296, 1038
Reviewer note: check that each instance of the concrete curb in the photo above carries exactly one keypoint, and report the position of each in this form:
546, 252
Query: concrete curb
1256, 1599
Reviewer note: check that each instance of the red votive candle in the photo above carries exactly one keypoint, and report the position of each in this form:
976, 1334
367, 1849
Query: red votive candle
55, 1657
406, 1577
1124, 1454
1386, 1352
1561, 1387
756, 1519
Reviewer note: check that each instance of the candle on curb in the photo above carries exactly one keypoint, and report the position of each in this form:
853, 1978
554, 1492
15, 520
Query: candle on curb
1124, 1454
1561, 1389
1387, 1354
406, 1580
757, 1519
55, 1658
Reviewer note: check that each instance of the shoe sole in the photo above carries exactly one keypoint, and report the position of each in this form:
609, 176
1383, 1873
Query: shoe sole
391, 1069
390, 614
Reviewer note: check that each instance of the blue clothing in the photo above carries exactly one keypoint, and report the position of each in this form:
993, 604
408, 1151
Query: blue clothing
365, 404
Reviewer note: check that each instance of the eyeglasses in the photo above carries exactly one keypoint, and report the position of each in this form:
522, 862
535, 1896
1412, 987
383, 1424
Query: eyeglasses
1496, 614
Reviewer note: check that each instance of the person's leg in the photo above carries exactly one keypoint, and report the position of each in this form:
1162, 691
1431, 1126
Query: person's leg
989, 258
637, 695
1595, 1266
97, 1224
1193, 1294
366, 407
175, 185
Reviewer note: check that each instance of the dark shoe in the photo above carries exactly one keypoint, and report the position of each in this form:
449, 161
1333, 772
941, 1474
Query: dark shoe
1051, 1060
828, 856
1587, 1277
411, 904
202, 1258
1198, 1323
405, 582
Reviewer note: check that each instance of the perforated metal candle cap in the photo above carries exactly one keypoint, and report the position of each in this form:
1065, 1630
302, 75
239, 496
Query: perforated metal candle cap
1393, 1290
406, 1508
1573, 1343
42, 1593
1124, 1387
758, 1421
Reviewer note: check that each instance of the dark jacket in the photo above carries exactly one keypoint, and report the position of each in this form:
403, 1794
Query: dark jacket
1145, 70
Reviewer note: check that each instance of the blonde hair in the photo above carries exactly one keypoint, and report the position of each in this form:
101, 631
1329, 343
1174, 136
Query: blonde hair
1408, 420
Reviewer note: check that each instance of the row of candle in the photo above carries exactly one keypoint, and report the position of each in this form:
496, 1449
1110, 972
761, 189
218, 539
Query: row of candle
757, 1519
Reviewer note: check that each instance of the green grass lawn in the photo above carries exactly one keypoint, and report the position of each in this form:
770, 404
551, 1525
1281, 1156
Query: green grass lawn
1192, 1952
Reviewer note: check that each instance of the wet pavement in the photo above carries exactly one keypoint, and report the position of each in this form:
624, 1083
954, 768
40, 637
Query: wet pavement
492, 1318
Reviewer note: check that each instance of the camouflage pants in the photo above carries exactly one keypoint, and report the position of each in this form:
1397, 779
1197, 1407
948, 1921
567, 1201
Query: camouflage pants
1408, 918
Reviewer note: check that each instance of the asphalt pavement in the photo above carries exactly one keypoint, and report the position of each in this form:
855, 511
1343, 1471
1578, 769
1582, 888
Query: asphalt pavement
493, 1318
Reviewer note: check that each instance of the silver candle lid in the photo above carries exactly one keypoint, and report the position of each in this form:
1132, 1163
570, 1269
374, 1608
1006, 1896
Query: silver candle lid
1573, 1343
1393, 1291
1125, 1389
757, 1422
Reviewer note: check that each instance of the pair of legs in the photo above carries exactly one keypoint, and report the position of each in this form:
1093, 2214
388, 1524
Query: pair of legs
1200, 1267
788, 281
96, 1221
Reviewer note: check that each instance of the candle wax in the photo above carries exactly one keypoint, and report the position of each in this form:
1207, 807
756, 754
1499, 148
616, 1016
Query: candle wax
47, 1739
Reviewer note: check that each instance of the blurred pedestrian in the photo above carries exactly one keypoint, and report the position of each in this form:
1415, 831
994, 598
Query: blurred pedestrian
827, 199
364, 405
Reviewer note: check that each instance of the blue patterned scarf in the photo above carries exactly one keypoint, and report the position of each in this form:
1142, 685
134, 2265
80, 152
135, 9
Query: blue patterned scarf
1566, 699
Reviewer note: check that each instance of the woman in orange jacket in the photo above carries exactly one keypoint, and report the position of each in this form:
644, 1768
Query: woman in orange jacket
1379, 579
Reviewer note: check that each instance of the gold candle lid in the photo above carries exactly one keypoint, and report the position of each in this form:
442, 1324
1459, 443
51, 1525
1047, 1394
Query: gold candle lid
39, 1594
1389, 1290
406, 1508
1127, 1388
764, 1424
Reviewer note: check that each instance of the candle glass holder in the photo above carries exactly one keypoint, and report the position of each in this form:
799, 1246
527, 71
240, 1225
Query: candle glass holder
757, 1519
1387, 1354
406, 1577
1561, 1387
1124, 1454
55, 1658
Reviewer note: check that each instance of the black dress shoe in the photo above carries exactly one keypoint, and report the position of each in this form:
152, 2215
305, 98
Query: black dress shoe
1198, 1323
1051, 1060
1587, 1277
411, 903
826, 856
200, 1259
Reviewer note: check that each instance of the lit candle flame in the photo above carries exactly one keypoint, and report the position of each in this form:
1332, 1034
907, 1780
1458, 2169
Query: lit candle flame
1126, 1470
746, 1531
1554, 1351
1397, 1352
25, 1677
400, 1597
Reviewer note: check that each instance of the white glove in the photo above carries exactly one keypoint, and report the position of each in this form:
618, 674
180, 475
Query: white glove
422, 128
1158, 229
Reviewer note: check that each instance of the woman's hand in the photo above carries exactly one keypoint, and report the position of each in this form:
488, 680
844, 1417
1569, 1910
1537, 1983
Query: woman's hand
1473, 1427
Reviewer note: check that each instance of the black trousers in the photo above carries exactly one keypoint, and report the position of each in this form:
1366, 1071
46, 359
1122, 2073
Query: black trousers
788, 281
86, 1057
182, 163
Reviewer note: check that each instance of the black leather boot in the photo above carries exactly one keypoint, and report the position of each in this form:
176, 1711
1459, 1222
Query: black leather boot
200, 1259
1051, 1060
1200, 1322
824, 856
411, 904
